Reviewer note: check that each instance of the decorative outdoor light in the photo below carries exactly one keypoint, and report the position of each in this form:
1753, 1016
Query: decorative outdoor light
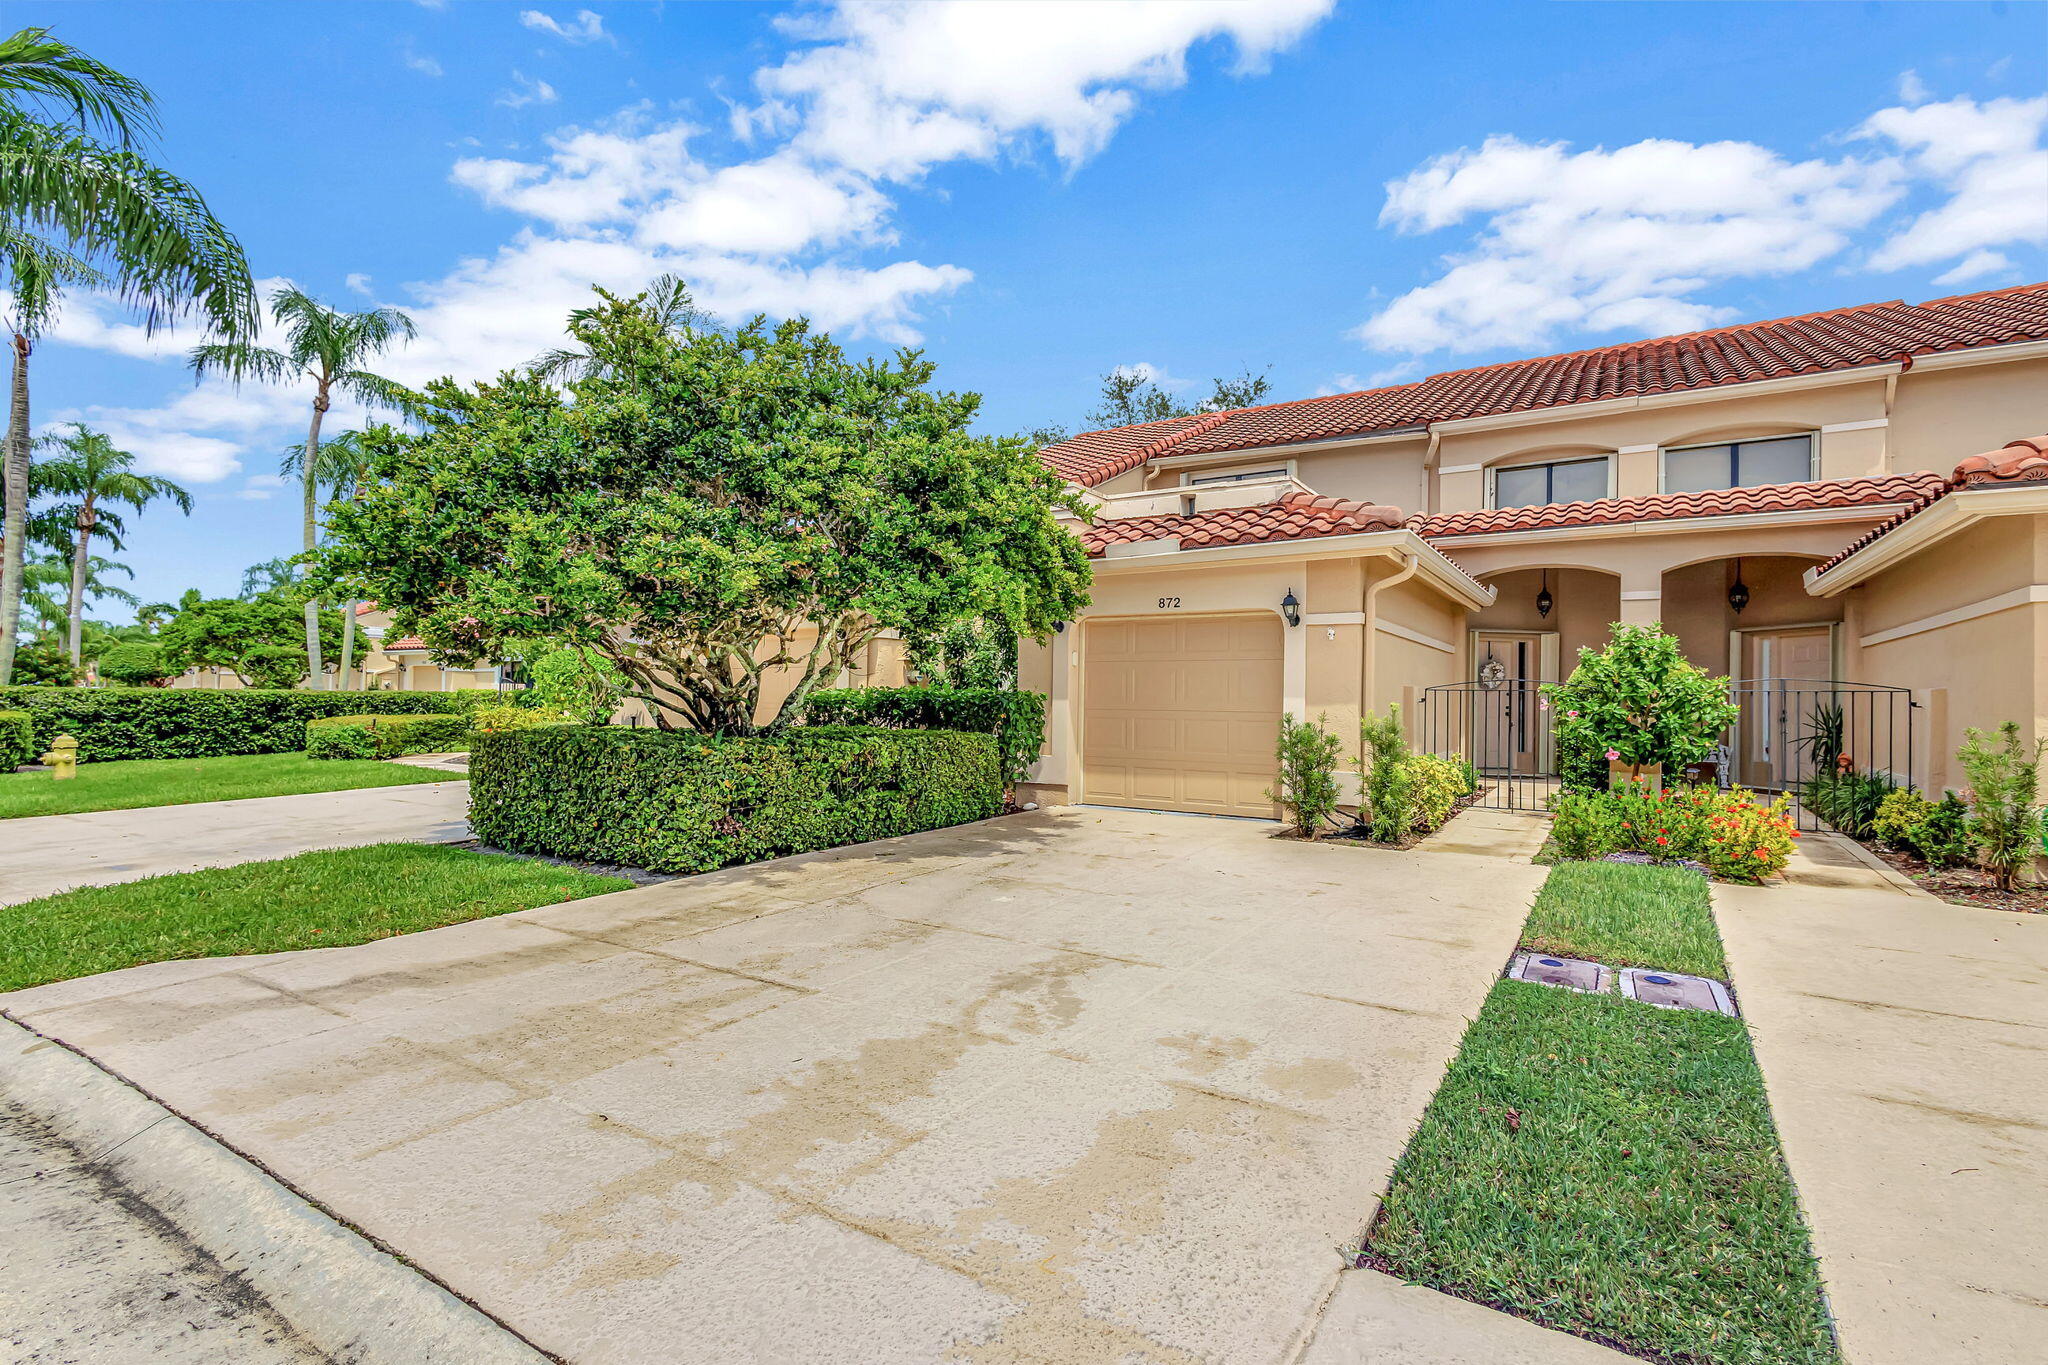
1059, 627
1738, 595
1544, 601
1290, 607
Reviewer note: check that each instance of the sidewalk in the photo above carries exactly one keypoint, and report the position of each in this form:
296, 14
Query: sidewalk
43, 854
1905, 1044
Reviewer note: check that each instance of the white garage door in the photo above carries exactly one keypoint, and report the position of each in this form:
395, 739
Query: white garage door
1181, 713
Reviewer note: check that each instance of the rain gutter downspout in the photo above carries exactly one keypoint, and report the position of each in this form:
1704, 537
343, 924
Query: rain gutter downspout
1411, 564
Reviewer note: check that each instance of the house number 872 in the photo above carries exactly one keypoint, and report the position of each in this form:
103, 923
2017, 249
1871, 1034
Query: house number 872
1166, 602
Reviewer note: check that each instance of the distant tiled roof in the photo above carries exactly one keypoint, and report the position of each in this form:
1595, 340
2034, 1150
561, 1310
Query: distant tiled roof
1814, 343
1720, 502
1296, 516
2016, 462
405, 643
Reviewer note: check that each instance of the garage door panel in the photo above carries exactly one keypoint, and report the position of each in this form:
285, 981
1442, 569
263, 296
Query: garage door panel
1180, 713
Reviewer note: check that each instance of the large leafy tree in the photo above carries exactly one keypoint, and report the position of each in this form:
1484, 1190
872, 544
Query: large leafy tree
88, 473
702, 508
1131, 396
327, 348
257, 639
81, 205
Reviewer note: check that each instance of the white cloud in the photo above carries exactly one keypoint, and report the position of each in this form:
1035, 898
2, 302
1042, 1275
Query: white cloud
358, 283
1912, 89
529, 92
1147, 372
101, 322
895, 87
773, 207
586, 27
1975, 266
420, 62
260, 487
1989, 160
1605, 240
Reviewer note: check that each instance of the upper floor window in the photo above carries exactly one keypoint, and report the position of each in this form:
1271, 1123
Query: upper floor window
1237, 476
1531, 485
1739, 464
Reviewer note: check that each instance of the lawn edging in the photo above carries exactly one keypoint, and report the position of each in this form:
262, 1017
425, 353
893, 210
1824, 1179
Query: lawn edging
349, 1297
1607, 1168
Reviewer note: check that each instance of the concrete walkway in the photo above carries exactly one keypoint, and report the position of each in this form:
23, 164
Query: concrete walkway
1079, 1085
47, 853
1904, 1042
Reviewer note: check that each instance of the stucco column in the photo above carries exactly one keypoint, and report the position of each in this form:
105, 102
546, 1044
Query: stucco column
1642, 598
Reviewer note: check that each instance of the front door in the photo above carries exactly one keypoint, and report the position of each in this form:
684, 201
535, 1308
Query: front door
1792, 668
1508, 733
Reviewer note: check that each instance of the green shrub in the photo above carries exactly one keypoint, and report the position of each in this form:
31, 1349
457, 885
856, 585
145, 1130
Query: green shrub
1899, 818
1639, 699
147, 722
1943, 838
339, 737
1307, 779
2005, 780
1730, 832
1848, 800
388, 736
1016, 719
1435, 785
678, 802
17, 740
136, 664
579, 682
497, 719
1387, 804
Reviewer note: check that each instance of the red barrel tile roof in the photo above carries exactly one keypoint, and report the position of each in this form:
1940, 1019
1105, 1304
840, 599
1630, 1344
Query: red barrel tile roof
405, 642
1721, 502
1816, 342
1296, 516
2016, 462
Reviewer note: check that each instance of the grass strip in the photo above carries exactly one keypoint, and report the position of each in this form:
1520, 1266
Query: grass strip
1628, 916
131, 784
1607, 1168
316, 900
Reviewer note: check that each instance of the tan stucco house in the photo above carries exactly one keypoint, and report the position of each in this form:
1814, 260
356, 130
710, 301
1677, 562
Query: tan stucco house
1856, 496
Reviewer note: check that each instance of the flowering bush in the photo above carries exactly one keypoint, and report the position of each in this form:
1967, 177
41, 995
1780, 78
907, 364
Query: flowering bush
1434, 788
1636, 701
1728, 832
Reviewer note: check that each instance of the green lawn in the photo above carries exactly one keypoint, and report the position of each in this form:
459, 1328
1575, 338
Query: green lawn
1628, 916
1605, 1167
316, 900
178, 781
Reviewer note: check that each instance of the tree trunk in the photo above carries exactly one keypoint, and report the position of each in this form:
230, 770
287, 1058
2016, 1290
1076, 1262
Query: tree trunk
315, 679
74, 607
14, 529
348, 642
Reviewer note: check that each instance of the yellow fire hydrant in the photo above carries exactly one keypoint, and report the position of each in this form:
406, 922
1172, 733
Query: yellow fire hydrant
62, 758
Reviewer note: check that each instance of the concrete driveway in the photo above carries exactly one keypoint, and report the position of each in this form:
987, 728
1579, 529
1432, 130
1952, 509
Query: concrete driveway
1082, 1085
44, 854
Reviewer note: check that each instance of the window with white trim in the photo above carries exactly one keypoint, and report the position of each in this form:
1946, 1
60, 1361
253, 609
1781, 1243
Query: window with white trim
1532, 485
1236, 476
1739, 464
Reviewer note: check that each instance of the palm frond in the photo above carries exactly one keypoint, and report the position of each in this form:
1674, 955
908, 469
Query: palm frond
36, 67
238, 360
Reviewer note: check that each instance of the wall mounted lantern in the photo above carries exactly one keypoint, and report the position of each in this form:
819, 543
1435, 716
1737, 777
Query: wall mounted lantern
1544, 601
1738, 595
1059, 627
1290, 607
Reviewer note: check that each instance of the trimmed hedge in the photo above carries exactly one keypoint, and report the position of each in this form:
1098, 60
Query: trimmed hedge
1016, 719
123, 723
385, 736
678, 802
17, 740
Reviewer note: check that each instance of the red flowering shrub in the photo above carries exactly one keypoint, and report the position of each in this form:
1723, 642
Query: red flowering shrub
1730, 832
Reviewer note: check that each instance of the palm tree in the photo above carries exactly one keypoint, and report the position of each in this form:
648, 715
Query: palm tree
91, 470
269, 576
46, 589
666, 301
326, 346
80, 206
342, 467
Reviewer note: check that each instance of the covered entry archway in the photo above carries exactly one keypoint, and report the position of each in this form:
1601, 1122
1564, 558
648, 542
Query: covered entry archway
1181, 712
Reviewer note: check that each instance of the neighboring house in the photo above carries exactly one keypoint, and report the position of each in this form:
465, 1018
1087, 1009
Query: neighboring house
1806, 499
401, 663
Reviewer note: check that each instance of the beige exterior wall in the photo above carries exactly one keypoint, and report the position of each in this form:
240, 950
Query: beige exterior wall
1986, 668
1943, 413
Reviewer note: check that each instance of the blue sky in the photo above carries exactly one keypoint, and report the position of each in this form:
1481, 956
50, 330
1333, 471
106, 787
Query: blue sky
1347, 194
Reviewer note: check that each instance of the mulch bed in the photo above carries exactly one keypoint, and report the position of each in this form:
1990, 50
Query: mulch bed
1964, 885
